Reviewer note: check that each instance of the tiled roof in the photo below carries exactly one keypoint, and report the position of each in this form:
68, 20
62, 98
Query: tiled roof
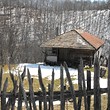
76, 39
93, 40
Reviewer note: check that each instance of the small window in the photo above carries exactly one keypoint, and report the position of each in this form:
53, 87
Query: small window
54, 50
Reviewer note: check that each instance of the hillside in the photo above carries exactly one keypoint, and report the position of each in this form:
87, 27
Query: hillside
23, 29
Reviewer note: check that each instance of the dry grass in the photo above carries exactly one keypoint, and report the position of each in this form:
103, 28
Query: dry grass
46, 81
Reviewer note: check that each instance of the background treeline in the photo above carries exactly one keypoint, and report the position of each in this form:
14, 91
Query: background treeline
25, 24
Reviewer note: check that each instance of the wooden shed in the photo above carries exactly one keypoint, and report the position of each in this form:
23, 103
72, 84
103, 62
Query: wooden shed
70, 46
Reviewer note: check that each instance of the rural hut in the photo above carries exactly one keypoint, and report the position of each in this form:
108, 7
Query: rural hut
70, 47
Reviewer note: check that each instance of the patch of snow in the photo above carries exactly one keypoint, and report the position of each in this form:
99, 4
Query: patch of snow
46, 71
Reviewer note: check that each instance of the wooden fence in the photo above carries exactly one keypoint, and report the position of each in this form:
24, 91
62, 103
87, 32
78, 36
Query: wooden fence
46, 98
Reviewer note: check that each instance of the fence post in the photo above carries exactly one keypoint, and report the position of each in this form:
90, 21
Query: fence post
24, 73
43, 88
13, 97
20, 90
80, 86
31, 92
51, 91
71, 87
62, 89
97, 96
1, 72
40, 105
88, 88
108, 107
23, 92
3, 97
40, 101
19, 98
84, 86
49, 96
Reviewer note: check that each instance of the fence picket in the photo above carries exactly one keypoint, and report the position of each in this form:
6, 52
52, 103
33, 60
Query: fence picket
12, 99
23, 93
3, 97
49, 108
24, 73
1, 73
51, 91
108, 106
62, 105
73, 96
31, 90
80, 86
84, 85
40, 105
20, 97
20, 90
42, 87
97, 96
88, 88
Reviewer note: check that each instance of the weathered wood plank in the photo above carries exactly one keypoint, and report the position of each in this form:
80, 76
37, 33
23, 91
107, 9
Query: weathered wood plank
24, 73
51, 91
80, 86
3, 97
67, 94
71, 86
13, 98
31, 90
88, 88
49, 108
39, 96
20, 97
42, 87
108, 106
40, 105
23, 93
97, 96
20, 90
84, 85
1, 73
62, 105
